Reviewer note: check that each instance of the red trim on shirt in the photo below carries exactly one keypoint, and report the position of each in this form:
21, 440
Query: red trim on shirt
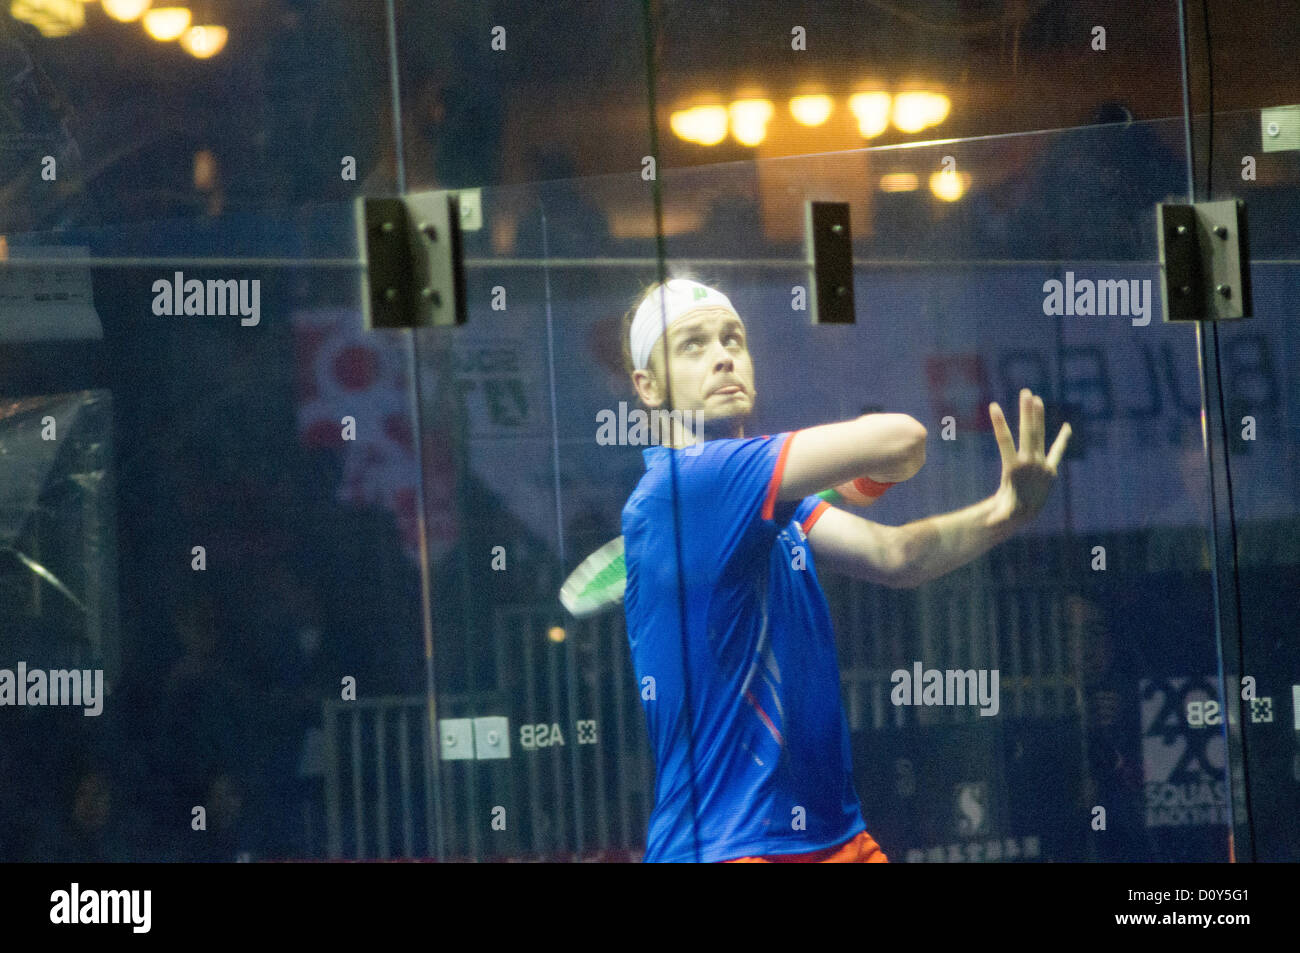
749, 697
774, 486
815, 515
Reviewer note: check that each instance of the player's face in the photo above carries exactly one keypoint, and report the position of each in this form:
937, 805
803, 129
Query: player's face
709, 364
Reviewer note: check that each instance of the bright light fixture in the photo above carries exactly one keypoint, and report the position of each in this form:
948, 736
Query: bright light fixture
948, 185
128, 11
704, 125
899, 182
810, 110
872, 112
165, 24
202, 42
749, 118
50, 17
915, 111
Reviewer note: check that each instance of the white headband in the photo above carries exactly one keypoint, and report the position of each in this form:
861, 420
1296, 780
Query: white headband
674, 300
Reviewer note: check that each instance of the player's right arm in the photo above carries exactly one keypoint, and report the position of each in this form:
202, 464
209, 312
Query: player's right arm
888, 448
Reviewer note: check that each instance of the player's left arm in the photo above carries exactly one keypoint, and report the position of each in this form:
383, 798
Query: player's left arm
857, 547
906, 556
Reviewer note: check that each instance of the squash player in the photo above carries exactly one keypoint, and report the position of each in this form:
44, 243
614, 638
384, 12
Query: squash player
729, 629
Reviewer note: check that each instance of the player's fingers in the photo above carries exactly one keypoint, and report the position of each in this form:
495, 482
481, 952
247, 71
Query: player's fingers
1002, 432
1058, 447
1040, 426
1026, 420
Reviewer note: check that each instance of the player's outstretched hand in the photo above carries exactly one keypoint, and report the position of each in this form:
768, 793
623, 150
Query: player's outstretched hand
1027, 473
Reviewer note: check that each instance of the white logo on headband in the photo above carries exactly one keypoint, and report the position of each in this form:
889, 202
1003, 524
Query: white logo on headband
665, 305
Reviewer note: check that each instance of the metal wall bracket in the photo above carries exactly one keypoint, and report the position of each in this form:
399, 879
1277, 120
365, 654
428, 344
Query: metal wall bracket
474, 739
1279, 128
491, 737
829, 247
1204, 261
414, 263
456, 737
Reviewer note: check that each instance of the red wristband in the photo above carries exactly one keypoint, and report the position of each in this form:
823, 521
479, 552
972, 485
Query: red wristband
869, 487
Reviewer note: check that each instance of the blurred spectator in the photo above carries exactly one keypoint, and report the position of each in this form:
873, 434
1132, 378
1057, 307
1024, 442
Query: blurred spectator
1114, 779
298, 668
88, 827
203, 712
226, 839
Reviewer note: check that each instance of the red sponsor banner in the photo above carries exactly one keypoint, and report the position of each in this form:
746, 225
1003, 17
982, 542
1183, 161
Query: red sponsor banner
342, 371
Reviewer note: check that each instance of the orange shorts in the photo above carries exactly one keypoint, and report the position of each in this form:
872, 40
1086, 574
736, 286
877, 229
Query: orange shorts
859, 850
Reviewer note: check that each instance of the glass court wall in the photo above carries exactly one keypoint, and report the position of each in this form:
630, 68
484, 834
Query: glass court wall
318, 565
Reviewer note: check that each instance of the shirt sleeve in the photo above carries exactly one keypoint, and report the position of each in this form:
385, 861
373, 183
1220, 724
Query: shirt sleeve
745, 481
811, 509
732, 503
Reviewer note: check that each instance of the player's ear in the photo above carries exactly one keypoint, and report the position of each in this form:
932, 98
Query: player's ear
647, 387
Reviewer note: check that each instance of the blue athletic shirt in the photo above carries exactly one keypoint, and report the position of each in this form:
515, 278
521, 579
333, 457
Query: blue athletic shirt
772, 765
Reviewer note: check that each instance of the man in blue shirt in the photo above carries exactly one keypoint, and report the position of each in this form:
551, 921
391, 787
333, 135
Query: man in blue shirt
729, 629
